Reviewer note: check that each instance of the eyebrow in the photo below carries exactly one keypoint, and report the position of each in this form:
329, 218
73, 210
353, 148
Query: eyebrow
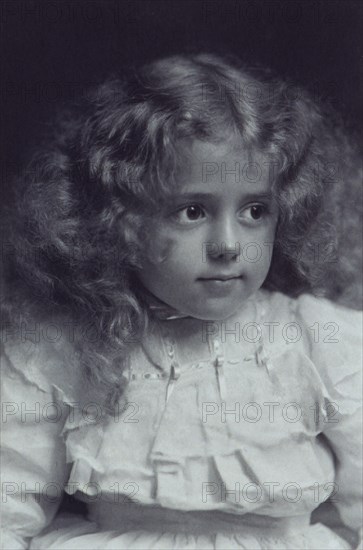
200, 196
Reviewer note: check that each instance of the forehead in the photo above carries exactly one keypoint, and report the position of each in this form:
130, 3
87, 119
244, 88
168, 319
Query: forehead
209, 165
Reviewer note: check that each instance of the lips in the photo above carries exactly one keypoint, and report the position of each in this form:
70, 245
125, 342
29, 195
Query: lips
221, 286
220, 278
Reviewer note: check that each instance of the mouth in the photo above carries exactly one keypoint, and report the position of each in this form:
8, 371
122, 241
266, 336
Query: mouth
220, 286
221, 278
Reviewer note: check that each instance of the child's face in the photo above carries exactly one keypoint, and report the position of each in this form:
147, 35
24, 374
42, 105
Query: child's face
211, 248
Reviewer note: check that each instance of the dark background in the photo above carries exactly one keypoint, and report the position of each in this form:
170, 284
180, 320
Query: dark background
53, 49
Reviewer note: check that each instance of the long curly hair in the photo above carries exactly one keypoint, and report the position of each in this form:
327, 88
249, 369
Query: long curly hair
79, 227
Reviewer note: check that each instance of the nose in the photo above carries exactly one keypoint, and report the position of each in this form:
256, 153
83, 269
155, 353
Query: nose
225, 240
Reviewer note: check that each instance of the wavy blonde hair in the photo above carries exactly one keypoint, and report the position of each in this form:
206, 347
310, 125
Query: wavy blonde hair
80, 225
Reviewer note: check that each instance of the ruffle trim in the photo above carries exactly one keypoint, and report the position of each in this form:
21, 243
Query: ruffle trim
78, 533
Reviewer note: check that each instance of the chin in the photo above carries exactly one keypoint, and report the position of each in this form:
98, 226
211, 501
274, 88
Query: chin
216, 314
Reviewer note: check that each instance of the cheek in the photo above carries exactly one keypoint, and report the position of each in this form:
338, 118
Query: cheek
256, 254
168, 260
255, 261
159, 247
177, 250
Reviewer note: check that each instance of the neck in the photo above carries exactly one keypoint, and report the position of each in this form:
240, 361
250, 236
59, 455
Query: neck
160, 309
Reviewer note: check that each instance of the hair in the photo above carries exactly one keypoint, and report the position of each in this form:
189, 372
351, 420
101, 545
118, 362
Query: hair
79, 228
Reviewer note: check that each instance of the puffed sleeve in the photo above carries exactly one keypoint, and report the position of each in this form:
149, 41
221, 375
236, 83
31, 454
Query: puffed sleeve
335, 340
33, 462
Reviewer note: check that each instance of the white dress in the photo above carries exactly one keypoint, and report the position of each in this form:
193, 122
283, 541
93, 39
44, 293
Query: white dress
228, 436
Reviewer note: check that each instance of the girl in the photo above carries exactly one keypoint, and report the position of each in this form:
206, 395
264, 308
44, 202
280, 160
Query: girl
178, 366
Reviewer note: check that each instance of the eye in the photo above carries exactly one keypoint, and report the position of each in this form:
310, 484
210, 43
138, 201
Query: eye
189, 214
254, 212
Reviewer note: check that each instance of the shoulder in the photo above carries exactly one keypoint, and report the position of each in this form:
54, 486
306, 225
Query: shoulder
331, 335
309, 310
328, 334
328, 331
334, 331
41, 354
313, 308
